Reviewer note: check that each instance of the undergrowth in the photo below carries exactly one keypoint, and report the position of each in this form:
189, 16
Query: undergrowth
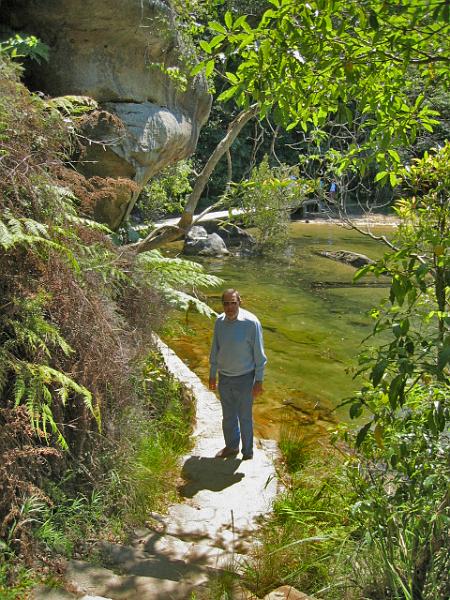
91, 425
305, 542
139, 478
147, 472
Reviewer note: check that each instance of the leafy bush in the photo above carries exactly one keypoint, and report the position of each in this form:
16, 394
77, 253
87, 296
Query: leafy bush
267, 199
307, 542
401, 470
157, 435
401, 480
29, 46
165, 193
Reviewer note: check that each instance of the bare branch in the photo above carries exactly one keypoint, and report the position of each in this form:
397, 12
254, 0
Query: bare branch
171, 233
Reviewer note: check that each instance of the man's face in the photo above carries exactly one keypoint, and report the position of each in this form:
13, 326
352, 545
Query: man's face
231, 306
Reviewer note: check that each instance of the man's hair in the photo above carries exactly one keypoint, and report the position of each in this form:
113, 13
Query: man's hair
231, 291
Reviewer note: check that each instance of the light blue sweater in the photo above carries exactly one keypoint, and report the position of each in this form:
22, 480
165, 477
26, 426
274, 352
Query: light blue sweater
237, 346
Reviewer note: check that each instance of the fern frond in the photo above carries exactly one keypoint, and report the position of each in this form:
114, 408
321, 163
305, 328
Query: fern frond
173, 272
182, 301
173, 277
49, 374
6, 236
71, 105
33, 386
5, 368
19, 390
34, 228
32, 234
32, 400
97, 258
32, 330
76, 220
47, 417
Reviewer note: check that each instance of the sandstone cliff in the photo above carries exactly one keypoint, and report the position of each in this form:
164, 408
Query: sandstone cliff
117, 52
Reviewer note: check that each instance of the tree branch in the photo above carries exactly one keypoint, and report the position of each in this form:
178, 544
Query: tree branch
171, 233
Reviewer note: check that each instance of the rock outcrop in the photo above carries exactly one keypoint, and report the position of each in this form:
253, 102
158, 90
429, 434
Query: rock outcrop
119, 52
287, 592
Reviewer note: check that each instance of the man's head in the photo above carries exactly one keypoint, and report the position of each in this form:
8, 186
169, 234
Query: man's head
231, 301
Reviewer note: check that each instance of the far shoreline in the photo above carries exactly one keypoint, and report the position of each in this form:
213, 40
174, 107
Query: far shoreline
357, 220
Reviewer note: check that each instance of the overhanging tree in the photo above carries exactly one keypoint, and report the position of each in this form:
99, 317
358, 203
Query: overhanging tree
307, 63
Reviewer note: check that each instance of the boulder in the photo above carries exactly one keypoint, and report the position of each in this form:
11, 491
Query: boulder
199, 241
120, 53
232, 234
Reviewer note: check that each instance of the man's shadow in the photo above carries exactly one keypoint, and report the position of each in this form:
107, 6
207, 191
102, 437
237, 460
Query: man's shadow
203, 473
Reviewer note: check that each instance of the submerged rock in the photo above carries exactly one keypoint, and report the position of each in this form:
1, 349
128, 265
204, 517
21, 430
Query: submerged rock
347, 257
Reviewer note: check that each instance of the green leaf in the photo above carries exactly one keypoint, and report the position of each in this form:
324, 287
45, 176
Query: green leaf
216, 40
362, 272
395, 155
217, 27
399, 288
355, 410
232, 77
381, 176
291, 126
205, 46
198, 68
241, 22
373, 20
228, 19
401, 328
393, 180
362, 433
227, 94
378, 372
396, 391
209, 68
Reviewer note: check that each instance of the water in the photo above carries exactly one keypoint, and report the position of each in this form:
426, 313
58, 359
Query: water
312, 334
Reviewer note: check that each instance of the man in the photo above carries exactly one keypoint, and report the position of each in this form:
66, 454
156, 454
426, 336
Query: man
237, 354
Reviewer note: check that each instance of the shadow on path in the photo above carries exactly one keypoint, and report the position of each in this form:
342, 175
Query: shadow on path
215, 474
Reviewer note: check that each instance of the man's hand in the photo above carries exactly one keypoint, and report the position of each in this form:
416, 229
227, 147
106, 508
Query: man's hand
212, 384
257, 389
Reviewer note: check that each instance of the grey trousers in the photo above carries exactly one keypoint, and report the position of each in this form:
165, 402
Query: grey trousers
236, 397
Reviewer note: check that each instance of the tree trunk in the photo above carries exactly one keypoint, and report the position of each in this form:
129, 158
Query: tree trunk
171, 233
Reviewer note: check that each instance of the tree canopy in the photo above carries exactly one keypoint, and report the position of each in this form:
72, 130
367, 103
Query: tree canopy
308, 62
357, 70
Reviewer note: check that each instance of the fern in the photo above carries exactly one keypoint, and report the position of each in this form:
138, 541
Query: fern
35, 387
96, 258
35, 384
32, 331
29, 233
173, 276
19, 391
72, 106
182, 301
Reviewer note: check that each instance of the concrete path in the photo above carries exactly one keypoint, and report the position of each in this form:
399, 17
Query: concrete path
210, 531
